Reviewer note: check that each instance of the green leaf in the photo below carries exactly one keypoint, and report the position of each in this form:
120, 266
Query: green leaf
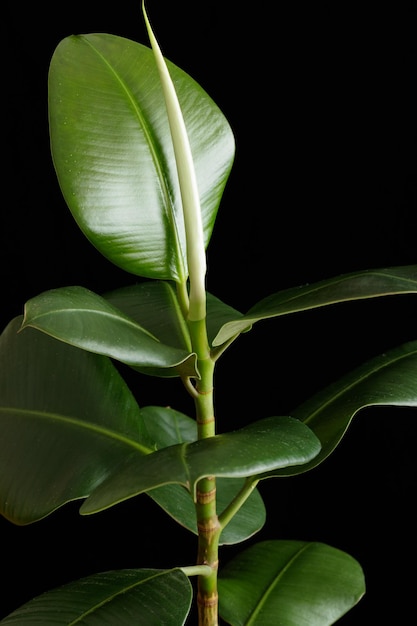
126, 598
67, 419
166, 427
289, 582
154, 305
218, 314
387, 380
113, 153
271, 443
354, 286
86, 320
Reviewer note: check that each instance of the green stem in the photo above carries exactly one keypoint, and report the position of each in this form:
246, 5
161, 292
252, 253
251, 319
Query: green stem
209, 531
204, 386
209, 528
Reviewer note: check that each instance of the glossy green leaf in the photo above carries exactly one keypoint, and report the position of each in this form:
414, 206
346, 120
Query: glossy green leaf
154, 305
113, 153
271, 443
125, 597
293, 583
354, 286
166, 427
218, 314
387, 380
86, 320
66, 420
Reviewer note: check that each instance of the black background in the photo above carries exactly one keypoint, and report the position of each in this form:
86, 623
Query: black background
320, 97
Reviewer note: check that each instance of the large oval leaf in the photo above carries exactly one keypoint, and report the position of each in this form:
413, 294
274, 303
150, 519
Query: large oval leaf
84, 319
354, 286
112, 150
387, 380
67, 419
125, 597
271, 443
154, 305
289, 582
166, 427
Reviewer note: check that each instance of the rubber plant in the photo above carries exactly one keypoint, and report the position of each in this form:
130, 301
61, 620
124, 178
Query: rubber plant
142, 155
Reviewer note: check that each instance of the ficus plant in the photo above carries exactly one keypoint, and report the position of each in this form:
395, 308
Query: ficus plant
142, 155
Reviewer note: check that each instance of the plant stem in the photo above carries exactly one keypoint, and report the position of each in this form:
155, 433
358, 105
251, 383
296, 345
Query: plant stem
208, 543
209, 528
